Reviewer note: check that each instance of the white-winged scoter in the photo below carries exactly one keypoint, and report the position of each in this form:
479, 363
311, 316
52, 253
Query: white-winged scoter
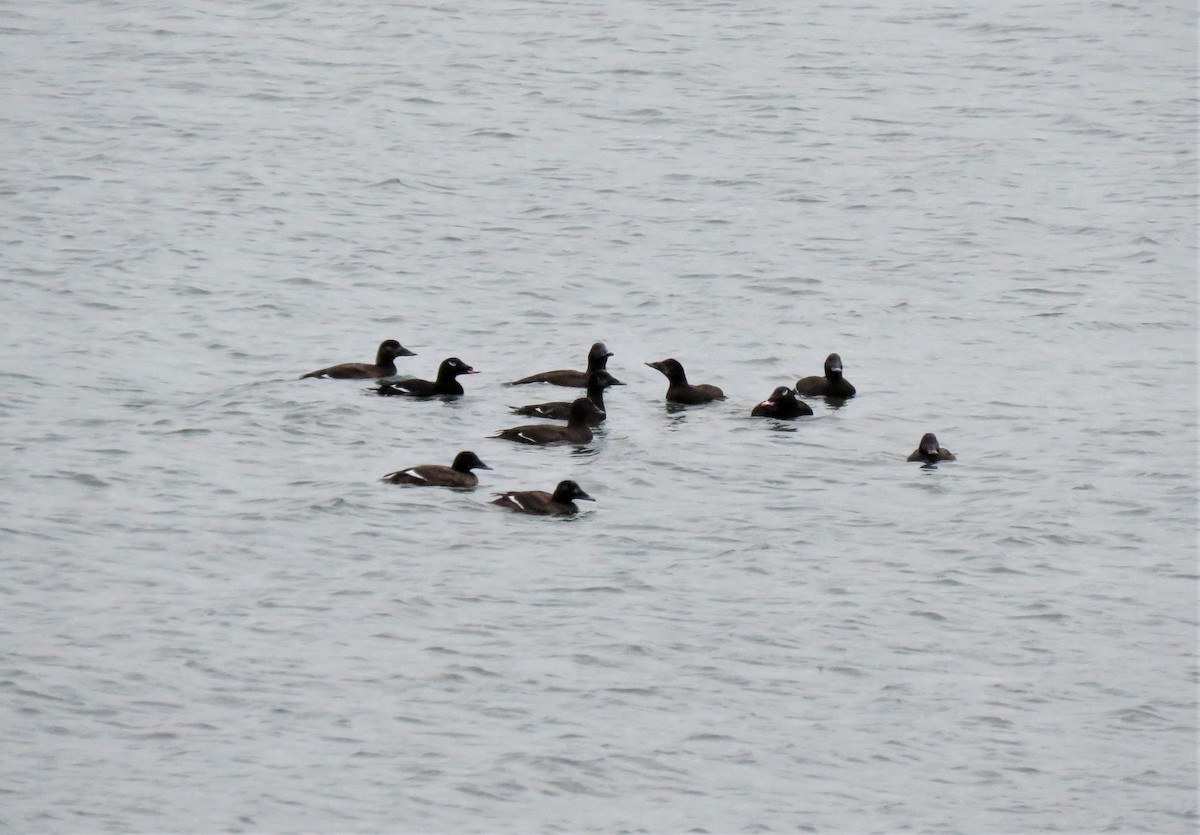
385, 364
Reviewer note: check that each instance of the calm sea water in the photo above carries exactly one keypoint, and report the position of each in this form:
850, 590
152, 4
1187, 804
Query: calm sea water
216, 618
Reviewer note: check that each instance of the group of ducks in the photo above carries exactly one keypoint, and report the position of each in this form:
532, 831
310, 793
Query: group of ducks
580, 414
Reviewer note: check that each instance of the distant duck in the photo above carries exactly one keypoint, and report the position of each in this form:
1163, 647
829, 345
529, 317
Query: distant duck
678, 388
385, 365
598, 381
458, 474
833, 384
540, 503
597, 361
445, 384
576, 431
782, 404
930, 452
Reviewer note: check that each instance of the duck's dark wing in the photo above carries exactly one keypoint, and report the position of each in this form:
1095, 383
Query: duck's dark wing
811, 386
525, 501
560, 377
407, 388
691, 395
347, 371
413, 475
559, 410
534, 434
432, 475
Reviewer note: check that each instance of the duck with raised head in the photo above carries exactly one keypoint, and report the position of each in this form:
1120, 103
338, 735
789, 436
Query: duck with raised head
385, 364
598, 381
540, 503
597, 360
833, 384
458, 474
446, 384
930, 451
678, 388
577, 430
782, 404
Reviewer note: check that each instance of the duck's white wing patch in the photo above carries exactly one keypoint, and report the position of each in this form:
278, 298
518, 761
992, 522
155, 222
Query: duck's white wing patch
526, 438
513, 498
413, 474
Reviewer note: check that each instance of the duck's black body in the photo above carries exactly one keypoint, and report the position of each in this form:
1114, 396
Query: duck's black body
540, 503
782, 404
457, 474
833, 384
598, 381
577, 430
678, 388
597, 361
930, 452
385, 364
446, 383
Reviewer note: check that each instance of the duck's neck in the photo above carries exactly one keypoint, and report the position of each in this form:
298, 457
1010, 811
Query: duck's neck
596, 395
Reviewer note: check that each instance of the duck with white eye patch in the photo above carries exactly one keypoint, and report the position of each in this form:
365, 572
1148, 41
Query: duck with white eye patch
446, 384
540, 503
458, 474
782, 404
577, 430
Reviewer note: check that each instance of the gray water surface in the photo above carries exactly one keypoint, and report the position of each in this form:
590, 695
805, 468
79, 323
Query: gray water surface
214, 617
